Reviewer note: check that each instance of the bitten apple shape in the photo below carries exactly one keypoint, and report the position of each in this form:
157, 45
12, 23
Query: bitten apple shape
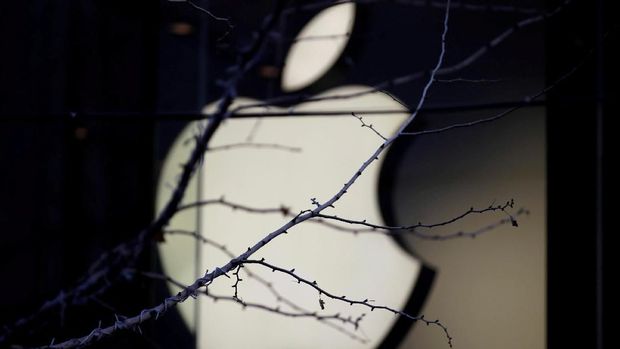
360, 266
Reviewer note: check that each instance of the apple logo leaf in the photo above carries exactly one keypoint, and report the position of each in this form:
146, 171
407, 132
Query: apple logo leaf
318, 46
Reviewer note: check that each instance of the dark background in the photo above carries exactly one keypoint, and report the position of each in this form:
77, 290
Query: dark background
91, 93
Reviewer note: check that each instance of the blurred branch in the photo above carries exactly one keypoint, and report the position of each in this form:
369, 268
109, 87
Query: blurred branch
235, 206
126, 254
408, 78
300, 313
252, 145
366, 302
193, 289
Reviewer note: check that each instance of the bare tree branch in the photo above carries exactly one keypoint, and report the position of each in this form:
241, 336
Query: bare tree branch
235, 206
457, 5
280, 298
404, 79
300, 313
525, 102
127, 254
369, 126
192, 290
412, 228
209, 13
274, 146
366, 302
473, 81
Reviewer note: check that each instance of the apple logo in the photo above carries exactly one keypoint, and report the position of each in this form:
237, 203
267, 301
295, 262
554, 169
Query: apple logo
319, 154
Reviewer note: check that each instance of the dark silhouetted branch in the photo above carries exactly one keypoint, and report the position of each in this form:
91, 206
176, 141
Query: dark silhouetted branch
366, 302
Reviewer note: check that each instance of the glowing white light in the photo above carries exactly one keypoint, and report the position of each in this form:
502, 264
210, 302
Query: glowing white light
318, 46
365, 266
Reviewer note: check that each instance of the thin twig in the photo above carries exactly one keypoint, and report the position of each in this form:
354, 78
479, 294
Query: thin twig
408, 78
525, 102
251, 145
369, 126
511, 219
321, 37
324, 220
209, 13
235, 206
366, 302
473, 81
322, 318
490, 208
280, 298
246, 61
458, 5
192, 289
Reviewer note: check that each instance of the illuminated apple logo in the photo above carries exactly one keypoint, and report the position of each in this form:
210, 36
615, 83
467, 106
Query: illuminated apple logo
359, 266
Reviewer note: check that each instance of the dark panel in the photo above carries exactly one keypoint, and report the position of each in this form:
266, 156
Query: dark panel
72, 189
577, 197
